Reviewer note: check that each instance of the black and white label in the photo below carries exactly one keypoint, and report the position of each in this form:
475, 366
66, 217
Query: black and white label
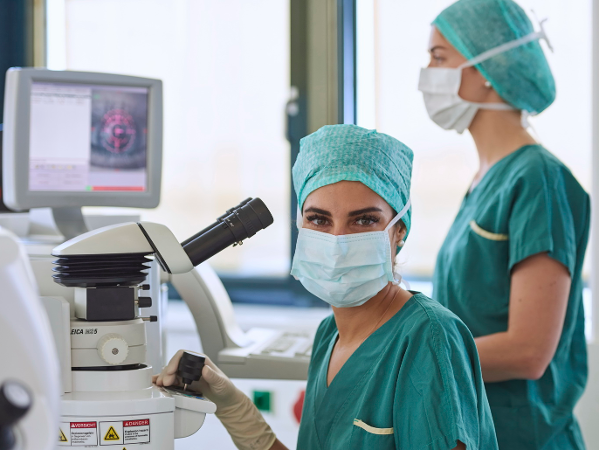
136, 431
84, 433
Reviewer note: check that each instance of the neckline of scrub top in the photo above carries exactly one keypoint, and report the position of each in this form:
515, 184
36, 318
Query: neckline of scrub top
392, 319
488, 175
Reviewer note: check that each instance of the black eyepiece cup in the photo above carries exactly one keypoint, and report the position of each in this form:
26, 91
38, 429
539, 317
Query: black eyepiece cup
237, 224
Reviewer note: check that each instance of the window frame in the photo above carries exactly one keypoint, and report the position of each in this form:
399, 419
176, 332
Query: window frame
323, 83
307, 110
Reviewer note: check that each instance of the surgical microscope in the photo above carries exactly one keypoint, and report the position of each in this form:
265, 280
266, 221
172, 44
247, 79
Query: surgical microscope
108, 396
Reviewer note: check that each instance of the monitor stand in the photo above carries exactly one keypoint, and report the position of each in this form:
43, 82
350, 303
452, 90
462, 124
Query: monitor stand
69, 221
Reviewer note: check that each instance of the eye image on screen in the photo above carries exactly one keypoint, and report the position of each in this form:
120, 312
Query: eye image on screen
119, 129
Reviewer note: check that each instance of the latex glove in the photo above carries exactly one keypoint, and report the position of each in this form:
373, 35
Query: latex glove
235, 410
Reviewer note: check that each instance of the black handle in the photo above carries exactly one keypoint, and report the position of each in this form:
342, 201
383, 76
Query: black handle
190, 367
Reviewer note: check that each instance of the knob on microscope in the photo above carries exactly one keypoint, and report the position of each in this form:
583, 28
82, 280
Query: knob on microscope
190, 368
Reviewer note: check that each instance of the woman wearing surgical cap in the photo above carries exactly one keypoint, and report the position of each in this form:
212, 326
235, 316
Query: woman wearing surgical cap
390, 369
511, 264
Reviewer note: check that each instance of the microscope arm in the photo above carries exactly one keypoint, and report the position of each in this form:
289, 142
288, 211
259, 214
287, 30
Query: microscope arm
208, 301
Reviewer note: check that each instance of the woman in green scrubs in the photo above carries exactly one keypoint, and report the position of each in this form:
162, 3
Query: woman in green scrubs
511, 264
391, 368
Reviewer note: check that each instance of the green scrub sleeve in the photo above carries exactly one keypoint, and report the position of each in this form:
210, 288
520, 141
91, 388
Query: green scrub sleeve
541, 220
442, 398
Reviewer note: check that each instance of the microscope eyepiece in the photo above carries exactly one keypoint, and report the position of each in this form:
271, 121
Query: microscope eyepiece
237, 224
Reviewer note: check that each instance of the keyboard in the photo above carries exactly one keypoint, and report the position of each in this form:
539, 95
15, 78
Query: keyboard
275, 354
298, 344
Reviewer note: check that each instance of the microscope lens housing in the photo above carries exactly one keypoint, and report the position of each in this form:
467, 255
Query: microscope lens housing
237, 224
110, 263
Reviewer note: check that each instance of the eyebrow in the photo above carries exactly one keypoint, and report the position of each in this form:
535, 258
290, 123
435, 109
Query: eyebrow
350, 214
318, 211
364, 211
436, 47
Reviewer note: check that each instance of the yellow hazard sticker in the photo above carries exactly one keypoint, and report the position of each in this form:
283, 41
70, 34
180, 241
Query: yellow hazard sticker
62, 437
111, 435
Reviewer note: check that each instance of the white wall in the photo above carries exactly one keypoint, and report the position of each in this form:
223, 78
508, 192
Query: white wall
588, 408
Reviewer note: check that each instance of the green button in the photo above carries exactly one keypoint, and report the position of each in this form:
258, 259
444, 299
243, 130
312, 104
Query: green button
262, 400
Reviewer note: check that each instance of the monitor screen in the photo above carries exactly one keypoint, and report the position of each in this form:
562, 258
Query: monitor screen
86, 137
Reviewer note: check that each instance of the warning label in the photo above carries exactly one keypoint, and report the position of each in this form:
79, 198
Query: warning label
64, 434
84, 433
111, 435
111, 432
136, 431
80, 434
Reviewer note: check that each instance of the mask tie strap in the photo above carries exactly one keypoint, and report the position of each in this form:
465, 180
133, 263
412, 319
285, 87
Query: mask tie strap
398, 216
509, 46
543, 31
399, 280
494, 106
525, 118
299, 219
397, 277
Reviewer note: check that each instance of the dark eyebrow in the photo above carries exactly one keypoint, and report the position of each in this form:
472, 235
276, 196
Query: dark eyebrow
318, 211
364, 211
437, 47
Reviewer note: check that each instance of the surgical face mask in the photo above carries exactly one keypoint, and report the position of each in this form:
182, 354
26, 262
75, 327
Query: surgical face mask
440, 86
348, 270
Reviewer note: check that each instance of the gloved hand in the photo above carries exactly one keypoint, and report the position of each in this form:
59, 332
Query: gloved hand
237, 413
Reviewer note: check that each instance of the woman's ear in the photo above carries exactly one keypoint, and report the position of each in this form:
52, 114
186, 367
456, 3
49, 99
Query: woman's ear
400, 234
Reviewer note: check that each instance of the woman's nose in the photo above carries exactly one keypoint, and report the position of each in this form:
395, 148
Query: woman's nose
339, 230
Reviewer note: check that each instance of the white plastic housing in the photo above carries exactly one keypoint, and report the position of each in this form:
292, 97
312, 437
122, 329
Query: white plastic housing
141, 237
93, 343
17, 132
113, 239
27, 352
167, 247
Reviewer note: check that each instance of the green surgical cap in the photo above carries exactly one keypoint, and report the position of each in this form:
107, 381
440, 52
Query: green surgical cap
348, 152
520, 76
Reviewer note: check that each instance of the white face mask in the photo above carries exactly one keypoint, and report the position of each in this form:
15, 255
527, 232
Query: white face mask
440, 88
348, 270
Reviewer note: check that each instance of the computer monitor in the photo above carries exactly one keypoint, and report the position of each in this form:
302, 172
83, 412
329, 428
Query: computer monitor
73, 139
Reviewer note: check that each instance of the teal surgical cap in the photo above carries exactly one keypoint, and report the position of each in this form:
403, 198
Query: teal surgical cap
521, 76
348, 152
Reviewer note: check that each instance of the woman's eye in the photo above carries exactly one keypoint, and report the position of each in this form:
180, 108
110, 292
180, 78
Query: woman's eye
317, 220
366, 221
437, 59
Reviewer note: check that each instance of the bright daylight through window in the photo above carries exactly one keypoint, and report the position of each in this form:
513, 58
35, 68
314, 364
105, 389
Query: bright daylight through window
226, 83
392, 41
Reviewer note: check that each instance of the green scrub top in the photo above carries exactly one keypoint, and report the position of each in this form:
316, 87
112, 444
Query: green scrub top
414, 384
527, 203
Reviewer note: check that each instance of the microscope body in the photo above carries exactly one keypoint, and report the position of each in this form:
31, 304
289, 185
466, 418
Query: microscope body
113, 273
108, 395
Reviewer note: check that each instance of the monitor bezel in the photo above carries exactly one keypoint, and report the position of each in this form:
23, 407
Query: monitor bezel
15, 148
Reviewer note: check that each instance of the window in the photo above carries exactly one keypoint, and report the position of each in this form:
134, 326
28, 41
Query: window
225, 71
392, 47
